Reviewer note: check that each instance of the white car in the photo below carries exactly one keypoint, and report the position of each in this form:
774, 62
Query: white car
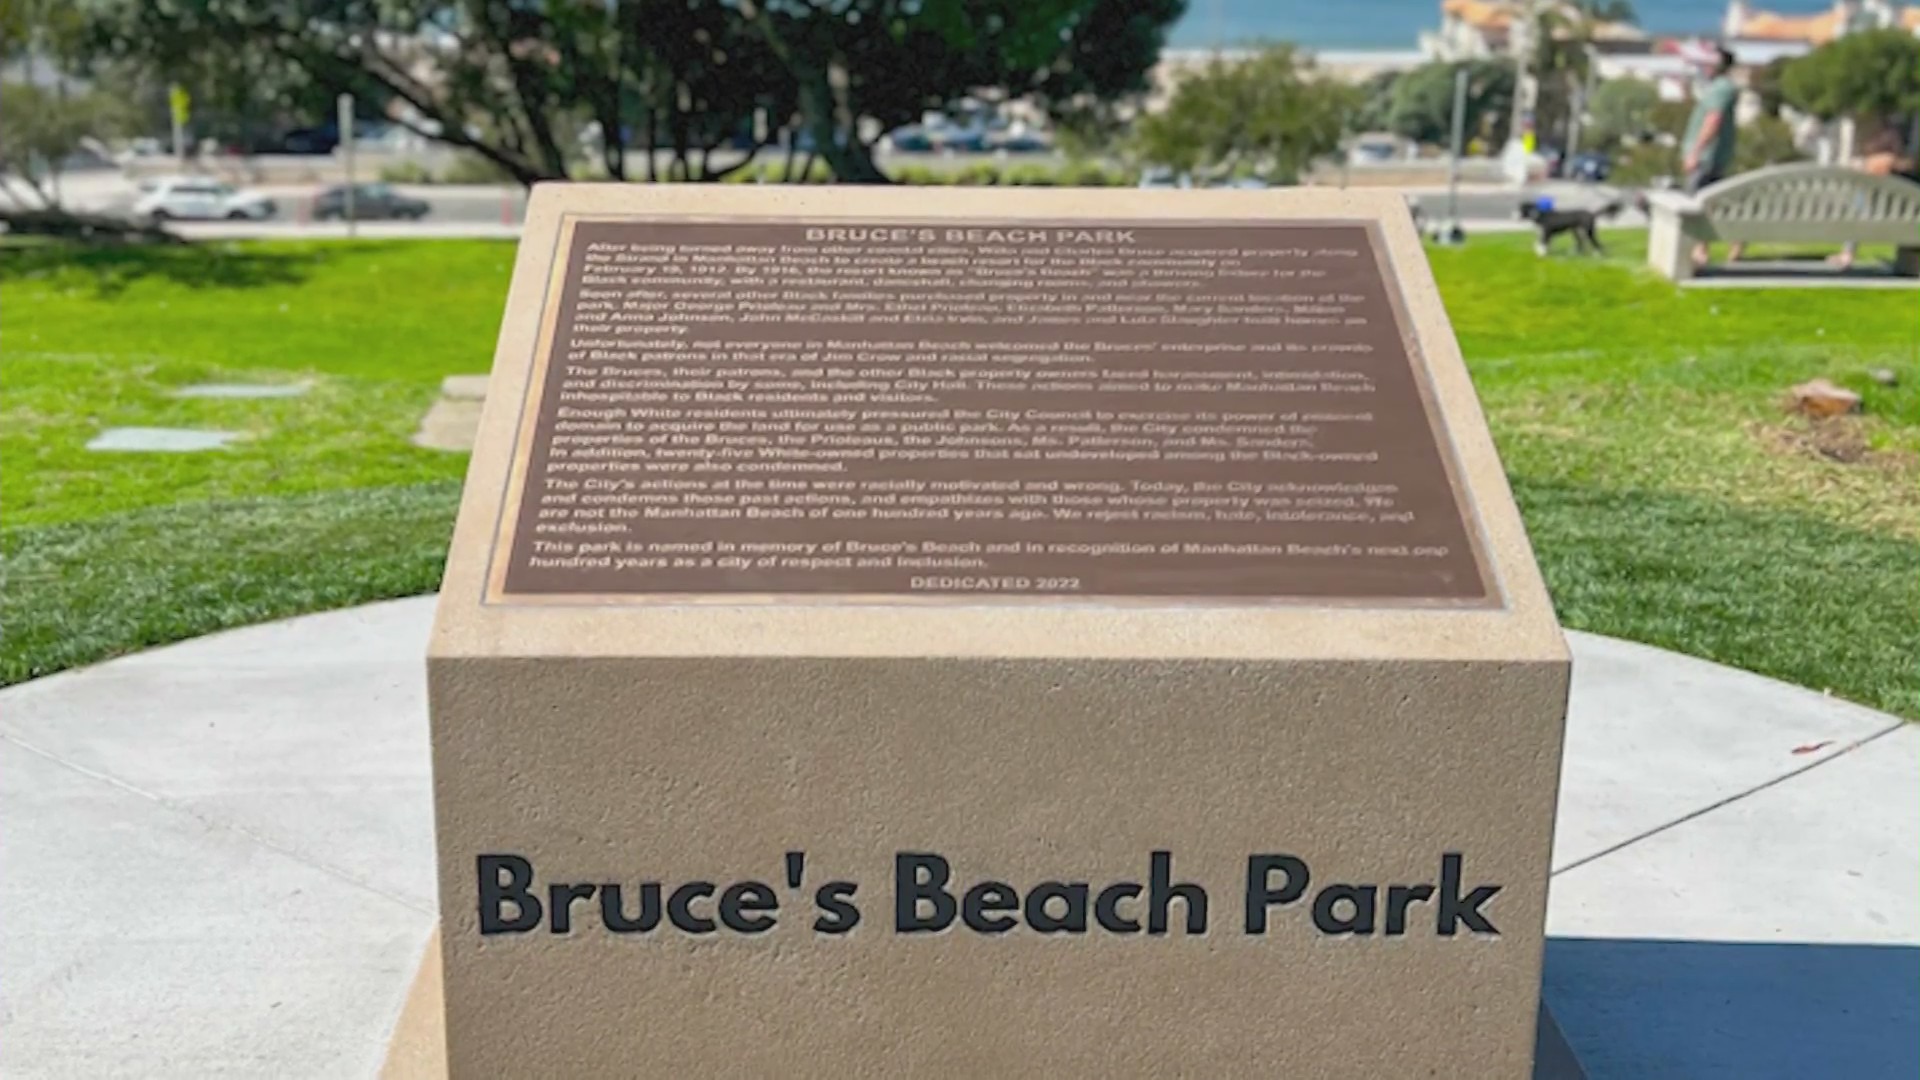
197, 198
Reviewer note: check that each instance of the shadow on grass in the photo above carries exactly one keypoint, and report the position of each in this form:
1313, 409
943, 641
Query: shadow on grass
110, 268
1789, 596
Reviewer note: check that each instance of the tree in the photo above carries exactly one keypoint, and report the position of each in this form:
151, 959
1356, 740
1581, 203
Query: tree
44, 128
1375, 112
697, 80
1096, 91
515, 83
1423, 102
518, 82
490, 77
1622, 109
861, 67
1873, 75
1766, 140
1563, 59
1768, 83
49, 113
1270, 116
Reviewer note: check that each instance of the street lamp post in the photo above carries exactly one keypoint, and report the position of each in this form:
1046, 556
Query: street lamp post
619, 85
1452, 233
345, 104
1525, 43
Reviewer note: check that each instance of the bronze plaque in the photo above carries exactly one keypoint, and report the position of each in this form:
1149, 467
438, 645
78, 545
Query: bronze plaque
1220, 411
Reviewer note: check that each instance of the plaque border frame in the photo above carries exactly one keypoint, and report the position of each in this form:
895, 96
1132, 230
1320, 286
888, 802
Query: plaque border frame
532, 391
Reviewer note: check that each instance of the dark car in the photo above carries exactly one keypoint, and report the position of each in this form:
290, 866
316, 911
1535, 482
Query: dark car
313, 140
371, 202
1591, 167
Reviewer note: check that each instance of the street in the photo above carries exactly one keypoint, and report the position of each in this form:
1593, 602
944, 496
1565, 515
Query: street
481, 210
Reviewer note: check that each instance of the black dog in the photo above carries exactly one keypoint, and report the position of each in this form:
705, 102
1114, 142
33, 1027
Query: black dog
1581, 223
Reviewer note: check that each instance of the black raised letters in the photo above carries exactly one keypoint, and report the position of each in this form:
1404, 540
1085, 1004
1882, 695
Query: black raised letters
1261, 892
495, 894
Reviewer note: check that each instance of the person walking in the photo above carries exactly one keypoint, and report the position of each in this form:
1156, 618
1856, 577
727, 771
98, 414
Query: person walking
1707, 147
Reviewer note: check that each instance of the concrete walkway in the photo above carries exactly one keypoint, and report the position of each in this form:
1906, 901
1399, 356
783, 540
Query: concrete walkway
216, 859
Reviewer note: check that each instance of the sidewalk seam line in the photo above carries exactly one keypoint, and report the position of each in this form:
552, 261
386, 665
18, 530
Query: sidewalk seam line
1728, 800
212, 823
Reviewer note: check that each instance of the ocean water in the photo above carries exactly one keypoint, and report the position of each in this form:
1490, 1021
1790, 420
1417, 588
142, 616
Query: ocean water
1396, 24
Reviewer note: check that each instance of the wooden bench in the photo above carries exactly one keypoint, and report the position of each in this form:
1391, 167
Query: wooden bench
1790, 204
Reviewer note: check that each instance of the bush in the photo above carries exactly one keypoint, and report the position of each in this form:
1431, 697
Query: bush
473, 169
1031, 176
406, 172
979, 174
1640, 164
1766, 141
1622, 109
1092, 174
916, 176
775, 172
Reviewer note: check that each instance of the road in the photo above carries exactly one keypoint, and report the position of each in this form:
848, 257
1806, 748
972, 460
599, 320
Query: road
496, 210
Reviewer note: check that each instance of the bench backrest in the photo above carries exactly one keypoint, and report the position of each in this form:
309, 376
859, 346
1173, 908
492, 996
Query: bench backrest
1814, 199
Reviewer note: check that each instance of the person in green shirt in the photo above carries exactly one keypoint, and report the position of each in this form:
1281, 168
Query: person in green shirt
1707, 147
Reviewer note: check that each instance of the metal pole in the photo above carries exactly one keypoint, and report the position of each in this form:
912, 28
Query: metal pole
1528, 41
178, 103
346, 146
619, 84
1453, 234
1579, 106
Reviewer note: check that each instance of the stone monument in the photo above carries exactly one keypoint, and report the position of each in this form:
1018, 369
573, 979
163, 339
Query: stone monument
976, 633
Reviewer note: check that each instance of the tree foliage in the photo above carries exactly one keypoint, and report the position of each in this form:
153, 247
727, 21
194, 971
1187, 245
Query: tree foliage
1375, 110
1423, 101
517, 81
1766, 140
1768, 83
1563, 59
1763, 141
45, 126
1269, 116
47, 114
1873, 75
1622, 109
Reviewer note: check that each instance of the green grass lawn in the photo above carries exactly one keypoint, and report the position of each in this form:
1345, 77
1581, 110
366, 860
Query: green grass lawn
1669, 497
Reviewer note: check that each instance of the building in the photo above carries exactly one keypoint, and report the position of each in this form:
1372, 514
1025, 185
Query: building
1745, 22
1482, 29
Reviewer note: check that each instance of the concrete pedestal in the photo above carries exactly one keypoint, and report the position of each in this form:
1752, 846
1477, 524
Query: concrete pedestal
418, 1050
1287, 815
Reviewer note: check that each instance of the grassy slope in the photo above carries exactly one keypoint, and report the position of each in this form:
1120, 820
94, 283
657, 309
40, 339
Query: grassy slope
1668, 498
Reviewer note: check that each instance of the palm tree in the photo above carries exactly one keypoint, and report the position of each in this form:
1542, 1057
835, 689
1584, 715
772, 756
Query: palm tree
1563, 59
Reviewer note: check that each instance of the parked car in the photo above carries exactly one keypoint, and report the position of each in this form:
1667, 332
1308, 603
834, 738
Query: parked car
1591, 166
960, 140
1159, 176
313, 140
1023, 142
1373, 152
371, 202
911, 139
804, 143
200, 199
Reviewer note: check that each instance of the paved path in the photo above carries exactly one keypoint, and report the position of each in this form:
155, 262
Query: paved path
216, 860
